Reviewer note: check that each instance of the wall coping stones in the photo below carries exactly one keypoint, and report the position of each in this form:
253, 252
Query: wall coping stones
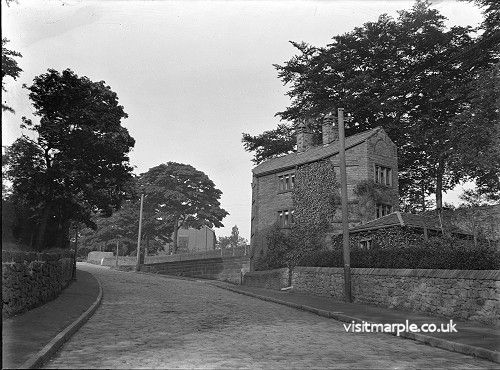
29, 256
431, 273
207, 260
268, 272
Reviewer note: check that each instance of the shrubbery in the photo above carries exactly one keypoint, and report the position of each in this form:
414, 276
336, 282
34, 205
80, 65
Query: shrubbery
437, 253
391, 248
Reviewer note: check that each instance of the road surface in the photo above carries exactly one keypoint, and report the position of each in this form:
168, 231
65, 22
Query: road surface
148, 321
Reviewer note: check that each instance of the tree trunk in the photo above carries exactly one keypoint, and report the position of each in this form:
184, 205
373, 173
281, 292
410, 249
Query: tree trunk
63, 234
176, 233
424, 208
40, 240
439, 194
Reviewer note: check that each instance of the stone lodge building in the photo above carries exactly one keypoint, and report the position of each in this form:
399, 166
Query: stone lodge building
370, 156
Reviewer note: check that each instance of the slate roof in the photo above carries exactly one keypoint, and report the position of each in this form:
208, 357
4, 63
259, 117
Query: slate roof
403, 219
312, 154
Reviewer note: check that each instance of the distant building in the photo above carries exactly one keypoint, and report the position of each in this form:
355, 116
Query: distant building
194, 240
370, 155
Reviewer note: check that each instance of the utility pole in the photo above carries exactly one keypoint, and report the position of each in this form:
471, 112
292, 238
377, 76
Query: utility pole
138, 264
345, 214
116, 262
76, 251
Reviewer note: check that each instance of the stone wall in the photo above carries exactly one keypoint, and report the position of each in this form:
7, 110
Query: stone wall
31, 279
229, 269
269, 279
460, 294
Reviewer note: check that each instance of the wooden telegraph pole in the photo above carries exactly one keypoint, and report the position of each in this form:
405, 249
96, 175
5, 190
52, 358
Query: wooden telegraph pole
76, 252
345, 214
138, 264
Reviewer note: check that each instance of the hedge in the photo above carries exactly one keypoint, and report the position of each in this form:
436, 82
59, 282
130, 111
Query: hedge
428, 256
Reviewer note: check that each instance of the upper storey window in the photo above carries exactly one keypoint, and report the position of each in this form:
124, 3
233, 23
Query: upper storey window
383, 175
286, 182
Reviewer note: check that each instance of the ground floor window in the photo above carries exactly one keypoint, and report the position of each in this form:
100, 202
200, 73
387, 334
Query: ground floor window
383, 209
365, 244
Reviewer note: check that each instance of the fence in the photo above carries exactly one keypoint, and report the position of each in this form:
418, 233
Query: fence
132, 260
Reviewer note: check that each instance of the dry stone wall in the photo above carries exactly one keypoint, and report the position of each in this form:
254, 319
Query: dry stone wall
269, 279
30, 279
460, 294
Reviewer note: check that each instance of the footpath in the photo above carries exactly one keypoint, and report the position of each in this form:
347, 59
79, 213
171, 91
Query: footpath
471, 338
30, 338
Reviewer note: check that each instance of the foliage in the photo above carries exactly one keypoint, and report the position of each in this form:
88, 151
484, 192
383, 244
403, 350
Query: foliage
368, 194
409, 75
182, 197
232, 241
316, 199
473, 216
437, 253
10, 68
270, 144
78, 164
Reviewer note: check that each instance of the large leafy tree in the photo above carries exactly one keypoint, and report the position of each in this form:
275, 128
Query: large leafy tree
78, 163
10, 68
122, 228
180, 195
410, 76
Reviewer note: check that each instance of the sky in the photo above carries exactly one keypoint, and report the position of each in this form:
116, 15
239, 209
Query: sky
192, 75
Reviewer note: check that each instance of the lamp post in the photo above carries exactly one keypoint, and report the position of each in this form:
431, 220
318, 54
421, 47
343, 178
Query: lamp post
345, 214
138, 263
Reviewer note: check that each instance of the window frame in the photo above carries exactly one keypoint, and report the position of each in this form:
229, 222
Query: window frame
383, 175
383, 209
286, 182
285, 218
365, 244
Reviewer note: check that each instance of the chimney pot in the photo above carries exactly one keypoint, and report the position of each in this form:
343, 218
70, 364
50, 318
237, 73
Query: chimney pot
304, 135
330, 131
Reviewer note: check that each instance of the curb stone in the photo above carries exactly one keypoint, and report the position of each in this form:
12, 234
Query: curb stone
38, 359
432, 341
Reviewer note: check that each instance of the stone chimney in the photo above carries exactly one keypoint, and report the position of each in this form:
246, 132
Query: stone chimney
304, 135
330, 130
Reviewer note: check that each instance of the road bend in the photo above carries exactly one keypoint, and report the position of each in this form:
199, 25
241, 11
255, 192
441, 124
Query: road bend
148, 321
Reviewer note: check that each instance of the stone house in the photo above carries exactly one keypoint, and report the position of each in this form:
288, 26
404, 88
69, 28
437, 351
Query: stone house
190, 240
371, 156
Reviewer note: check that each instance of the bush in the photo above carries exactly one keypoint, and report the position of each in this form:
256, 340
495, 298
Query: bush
437, 253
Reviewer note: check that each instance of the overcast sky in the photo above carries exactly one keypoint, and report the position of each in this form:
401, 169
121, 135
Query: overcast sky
192, 75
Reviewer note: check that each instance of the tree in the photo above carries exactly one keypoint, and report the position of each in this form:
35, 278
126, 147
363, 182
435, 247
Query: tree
470, 214
408, 75
224, 242
182, 197
122, 229
10, 68
78, 164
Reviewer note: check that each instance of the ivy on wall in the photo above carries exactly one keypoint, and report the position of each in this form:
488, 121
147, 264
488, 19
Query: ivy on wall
315, 195
368, 194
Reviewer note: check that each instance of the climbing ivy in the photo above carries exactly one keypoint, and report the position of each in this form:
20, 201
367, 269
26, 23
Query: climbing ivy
369, 193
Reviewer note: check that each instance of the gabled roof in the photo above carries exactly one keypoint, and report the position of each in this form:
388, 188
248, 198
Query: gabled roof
399, 219
312, 154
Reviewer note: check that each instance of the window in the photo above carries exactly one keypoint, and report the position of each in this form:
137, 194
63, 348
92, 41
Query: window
365, 244
383, 209
286, 182
383, 175
285, 218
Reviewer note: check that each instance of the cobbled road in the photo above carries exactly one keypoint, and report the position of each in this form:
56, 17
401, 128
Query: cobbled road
148, 321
